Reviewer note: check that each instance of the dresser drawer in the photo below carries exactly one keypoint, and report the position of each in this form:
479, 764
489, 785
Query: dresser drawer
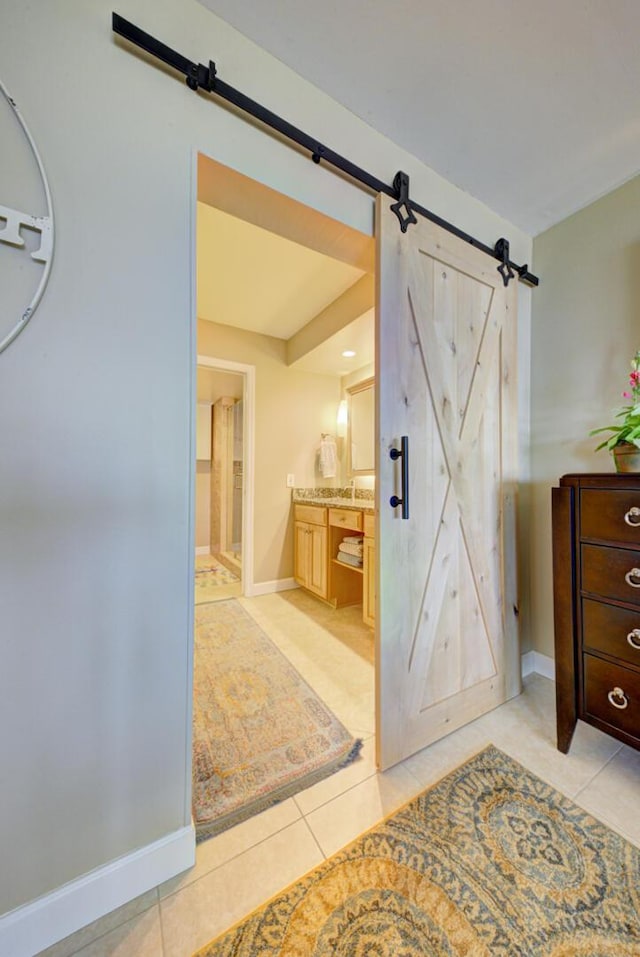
596, 547
347, 518
607, 685
611, 630
313, 514
610, 515
610, 572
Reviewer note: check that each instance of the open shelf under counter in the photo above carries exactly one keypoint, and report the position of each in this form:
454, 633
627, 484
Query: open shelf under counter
353, 568
344, 588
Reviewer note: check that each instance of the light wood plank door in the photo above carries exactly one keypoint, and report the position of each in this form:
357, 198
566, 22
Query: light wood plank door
447, 637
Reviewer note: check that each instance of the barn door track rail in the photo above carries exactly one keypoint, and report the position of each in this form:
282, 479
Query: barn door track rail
200, 77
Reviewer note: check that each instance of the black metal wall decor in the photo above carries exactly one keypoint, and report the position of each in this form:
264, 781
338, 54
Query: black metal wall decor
23, 184
200, 77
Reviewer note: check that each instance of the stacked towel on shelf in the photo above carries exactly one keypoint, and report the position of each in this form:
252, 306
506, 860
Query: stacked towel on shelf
349, 559
350, 551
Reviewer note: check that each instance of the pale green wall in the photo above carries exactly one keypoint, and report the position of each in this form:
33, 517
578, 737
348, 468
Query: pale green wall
585, 329
95, 404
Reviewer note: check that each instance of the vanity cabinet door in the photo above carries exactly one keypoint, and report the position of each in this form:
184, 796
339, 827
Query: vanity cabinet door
310, 557
317, 581
300, 553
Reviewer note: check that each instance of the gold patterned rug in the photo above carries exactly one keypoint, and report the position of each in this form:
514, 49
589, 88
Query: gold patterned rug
212, 579
490, 861
260, 733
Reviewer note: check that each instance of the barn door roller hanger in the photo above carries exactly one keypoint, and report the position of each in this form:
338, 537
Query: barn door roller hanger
200, 77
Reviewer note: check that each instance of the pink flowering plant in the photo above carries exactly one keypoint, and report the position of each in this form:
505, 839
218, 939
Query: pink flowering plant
628, 428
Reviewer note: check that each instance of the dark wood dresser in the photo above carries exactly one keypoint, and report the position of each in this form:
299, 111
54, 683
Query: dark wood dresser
596, 595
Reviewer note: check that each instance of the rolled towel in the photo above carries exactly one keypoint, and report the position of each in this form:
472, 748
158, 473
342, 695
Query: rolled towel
351, 549
349, 559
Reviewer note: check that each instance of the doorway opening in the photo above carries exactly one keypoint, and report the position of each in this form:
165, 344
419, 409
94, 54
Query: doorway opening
445, 334
288, 294
224, 479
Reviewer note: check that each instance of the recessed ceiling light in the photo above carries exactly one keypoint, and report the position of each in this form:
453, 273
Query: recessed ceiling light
348, 354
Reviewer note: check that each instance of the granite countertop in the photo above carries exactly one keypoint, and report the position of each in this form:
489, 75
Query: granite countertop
306, 496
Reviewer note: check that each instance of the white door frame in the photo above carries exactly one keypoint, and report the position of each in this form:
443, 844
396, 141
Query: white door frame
248, 373
245, 170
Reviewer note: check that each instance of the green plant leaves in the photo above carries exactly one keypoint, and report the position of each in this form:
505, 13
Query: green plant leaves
627, 430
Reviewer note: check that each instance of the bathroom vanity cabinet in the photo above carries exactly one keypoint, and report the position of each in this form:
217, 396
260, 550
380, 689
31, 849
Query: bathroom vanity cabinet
596, 574
319, 530
310, 549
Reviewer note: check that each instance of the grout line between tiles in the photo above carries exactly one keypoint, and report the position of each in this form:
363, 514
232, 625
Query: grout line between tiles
315, 839
325, 856
335, 796
403, 765
162, 942
599, 771
606, 822
94, 940
234, 857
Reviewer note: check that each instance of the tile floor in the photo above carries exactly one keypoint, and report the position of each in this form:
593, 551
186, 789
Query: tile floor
244, 866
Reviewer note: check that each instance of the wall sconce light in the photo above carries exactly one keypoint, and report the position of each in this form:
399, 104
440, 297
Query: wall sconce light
341, 419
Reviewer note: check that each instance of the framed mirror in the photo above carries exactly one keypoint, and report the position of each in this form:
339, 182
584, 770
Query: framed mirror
361, 455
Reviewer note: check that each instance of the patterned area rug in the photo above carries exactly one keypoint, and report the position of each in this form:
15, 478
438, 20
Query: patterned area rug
490, 861
210, 576
260, 733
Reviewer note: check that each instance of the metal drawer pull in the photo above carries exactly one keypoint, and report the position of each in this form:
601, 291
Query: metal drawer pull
633, 513
618, 699
634, 638
634, 573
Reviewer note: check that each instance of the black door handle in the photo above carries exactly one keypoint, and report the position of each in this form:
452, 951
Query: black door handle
402, 453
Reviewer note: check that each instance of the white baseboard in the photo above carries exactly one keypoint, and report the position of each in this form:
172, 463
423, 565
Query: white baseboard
27, 930
535, 663
269, 588
202, 550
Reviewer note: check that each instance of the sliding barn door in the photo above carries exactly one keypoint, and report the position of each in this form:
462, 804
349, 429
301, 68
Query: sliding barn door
446, 379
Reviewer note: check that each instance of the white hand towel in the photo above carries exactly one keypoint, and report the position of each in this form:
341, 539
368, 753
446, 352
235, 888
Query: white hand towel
328, 458
349, 559
351, 548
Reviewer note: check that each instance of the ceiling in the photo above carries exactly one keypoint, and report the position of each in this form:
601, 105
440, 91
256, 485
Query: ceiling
532, 108
254, 279
327, 358
212, 384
